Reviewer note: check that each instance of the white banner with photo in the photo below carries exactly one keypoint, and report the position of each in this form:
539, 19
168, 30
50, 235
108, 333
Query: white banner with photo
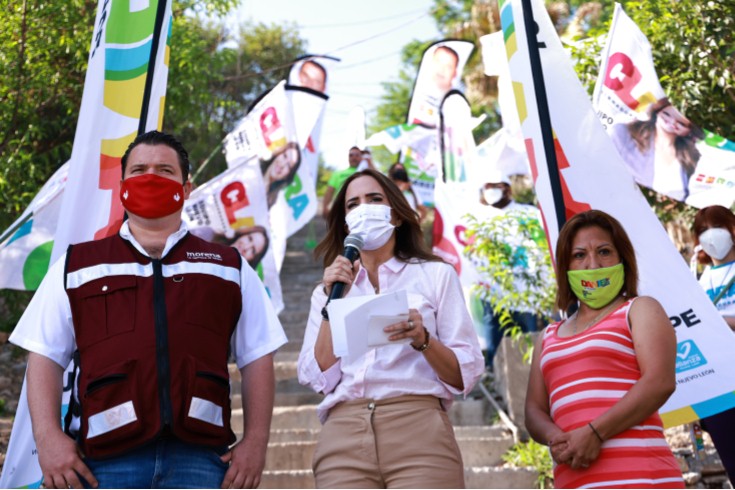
440, 71
593, 176
274, 136
664, 150
231, 209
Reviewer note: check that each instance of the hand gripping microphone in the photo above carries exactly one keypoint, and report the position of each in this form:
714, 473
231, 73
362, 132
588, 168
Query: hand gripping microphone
353, 245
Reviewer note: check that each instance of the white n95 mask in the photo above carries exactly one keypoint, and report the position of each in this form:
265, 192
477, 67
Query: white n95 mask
372, 221
716, 242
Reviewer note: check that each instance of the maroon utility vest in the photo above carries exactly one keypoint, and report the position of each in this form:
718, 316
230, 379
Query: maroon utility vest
153, 338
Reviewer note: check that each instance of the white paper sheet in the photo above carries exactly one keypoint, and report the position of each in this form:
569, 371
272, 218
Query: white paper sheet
357, 323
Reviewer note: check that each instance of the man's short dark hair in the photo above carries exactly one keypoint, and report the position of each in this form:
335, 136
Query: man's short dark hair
154, 138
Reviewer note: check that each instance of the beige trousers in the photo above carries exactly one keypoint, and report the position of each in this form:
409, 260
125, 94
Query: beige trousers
401, 442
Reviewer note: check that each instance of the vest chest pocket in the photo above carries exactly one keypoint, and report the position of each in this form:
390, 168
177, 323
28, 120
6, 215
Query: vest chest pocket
106, 307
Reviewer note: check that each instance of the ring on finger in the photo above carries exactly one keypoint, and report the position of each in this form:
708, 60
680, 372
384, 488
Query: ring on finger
410, 324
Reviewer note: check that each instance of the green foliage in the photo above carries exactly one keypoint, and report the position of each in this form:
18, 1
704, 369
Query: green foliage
12, 305
324, 173
693, 48
533, 455
43, 57
216, 75
512, 255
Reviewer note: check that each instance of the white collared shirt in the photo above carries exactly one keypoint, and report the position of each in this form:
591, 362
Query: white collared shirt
46, 326
434, 290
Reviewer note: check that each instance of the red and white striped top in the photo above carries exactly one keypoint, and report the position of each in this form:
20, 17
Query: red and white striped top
585, 375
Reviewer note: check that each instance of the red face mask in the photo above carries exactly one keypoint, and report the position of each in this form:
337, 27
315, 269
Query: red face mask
151, 196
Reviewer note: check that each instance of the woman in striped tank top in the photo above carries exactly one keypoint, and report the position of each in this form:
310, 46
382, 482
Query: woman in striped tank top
599, 377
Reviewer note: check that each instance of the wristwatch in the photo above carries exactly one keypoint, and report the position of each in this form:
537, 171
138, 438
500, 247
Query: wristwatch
325, 313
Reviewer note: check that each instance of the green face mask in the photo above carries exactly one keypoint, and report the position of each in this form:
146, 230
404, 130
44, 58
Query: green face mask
597, 287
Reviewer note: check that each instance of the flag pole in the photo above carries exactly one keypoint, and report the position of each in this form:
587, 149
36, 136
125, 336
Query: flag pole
542, 105
155, 42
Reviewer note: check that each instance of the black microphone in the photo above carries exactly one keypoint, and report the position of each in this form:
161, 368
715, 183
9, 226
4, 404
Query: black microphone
353, 245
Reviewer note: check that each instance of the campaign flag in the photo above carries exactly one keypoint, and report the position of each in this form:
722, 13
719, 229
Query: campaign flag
312, 72
124, 92
25, 247
394, 138
231, 209
506, 151
698, 167
505, 146
439, 72
455, 196
272, 136
592, 176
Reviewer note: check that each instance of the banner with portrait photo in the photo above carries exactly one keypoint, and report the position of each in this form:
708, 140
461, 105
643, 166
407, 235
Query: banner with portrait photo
231, 209
439, 72
272, 136
593, 176
664, 150
289, 179
312, 72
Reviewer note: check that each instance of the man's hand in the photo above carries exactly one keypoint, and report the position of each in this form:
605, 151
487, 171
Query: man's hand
247, 460
61, 462
58, 455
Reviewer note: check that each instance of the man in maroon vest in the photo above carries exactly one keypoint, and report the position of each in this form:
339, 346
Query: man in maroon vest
153, 314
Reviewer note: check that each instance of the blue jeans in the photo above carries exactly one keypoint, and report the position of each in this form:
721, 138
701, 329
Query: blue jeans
165, 463
494, 333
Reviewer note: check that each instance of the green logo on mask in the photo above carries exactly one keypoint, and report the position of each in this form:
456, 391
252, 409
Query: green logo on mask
597, 287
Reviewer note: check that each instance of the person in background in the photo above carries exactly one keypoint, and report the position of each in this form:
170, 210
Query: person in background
495, 199
714, 232
661, 151
338, 178
398, 174
153, 313
384, 413
599, 377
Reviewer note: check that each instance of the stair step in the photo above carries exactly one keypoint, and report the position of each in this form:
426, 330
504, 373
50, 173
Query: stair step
475, 477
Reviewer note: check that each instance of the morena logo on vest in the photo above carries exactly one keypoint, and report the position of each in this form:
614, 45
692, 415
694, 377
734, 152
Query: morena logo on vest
203, 256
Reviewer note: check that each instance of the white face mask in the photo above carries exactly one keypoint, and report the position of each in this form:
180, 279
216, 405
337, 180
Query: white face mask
716, 242
492, 195
372, 221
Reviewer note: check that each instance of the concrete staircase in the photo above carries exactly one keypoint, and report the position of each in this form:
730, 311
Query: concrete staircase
295, 427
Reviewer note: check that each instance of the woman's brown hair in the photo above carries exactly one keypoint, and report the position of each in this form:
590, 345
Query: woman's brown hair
643, 132
712, 217
564, 295
409, 237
